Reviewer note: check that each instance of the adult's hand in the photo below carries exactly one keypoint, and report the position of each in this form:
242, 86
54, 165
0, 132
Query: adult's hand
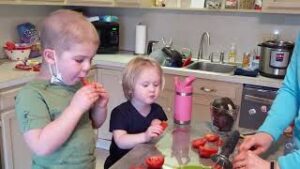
258, 143
249, 160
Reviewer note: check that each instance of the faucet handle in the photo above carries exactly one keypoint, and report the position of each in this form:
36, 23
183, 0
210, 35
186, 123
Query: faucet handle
222, 54
211, 57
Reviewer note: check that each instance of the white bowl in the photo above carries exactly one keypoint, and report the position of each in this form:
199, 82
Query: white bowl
18, 54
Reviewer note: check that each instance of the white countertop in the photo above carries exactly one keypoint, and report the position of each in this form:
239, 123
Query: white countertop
121, 60
9, 76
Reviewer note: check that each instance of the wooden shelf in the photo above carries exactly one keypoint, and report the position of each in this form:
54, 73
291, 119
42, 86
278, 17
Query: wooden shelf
269, 7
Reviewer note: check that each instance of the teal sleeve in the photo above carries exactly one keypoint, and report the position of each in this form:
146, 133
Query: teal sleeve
31, 110
289, 161
286, 104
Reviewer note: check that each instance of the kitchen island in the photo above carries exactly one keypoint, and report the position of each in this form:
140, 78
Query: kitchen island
176, 146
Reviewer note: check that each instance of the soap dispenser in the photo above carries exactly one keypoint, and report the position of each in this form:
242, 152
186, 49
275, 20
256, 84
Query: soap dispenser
232, 54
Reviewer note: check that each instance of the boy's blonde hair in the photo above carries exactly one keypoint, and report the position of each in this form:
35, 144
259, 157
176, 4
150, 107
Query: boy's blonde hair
64, 28
133, 70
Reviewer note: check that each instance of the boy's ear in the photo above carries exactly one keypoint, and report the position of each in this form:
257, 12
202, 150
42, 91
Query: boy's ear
49, 56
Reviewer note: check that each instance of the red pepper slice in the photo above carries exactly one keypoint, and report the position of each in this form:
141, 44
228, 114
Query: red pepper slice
164, 124
211, 137
22, 67
137, 167
10, 45
36, 67
217, 166
155, 162
207, 152
199, 142
84, 81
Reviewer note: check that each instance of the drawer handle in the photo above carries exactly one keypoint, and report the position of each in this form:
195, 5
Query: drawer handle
208, 90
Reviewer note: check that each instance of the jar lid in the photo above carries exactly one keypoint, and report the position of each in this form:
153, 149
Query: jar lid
277, 44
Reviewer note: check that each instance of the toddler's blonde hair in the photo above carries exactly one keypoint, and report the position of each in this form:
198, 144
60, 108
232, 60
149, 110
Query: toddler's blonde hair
64, 28
133, 70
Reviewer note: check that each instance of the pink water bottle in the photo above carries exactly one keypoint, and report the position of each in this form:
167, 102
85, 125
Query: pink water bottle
183, 105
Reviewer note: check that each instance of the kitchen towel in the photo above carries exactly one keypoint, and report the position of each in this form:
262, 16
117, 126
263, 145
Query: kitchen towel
140, 39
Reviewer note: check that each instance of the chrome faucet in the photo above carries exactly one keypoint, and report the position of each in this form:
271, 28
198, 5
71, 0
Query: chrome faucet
200, 51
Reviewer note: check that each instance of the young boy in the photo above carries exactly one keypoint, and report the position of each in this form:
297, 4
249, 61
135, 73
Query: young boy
56, 113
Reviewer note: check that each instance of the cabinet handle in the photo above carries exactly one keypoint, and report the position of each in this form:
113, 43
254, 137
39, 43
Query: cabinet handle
208, 90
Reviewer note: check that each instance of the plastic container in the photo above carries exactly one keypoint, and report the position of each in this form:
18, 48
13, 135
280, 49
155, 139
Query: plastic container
232, 54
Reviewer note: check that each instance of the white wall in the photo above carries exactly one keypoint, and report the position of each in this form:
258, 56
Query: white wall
11, 16
186, 27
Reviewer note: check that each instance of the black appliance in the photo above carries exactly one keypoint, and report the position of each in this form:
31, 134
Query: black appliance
256, 102
109, 36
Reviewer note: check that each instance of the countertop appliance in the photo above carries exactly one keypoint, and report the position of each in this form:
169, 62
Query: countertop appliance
109, 36
256, 102
275, 57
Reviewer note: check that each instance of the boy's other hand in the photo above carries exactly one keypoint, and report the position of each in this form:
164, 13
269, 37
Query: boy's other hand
103, 95
84, 98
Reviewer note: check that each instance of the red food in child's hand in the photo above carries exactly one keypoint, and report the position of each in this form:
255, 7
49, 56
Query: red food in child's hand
84, 81
199, 142
155, 162
164, 124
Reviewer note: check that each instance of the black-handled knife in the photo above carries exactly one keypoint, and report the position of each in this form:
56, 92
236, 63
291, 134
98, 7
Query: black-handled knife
222, 158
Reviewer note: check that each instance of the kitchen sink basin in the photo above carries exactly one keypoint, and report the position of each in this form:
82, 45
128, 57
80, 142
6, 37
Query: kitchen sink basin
212, 67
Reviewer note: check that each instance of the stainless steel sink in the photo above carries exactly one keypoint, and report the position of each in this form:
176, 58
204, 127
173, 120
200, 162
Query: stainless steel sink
212, 67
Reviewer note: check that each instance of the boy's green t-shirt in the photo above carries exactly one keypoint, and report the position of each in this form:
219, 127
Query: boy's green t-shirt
37, 104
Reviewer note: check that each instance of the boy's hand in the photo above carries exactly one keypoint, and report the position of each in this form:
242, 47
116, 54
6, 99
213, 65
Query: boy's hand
84, 98
103, 95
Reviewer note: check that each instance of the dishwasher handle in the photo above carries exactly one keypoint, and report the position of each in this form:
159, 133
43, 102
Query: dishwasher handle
258, 99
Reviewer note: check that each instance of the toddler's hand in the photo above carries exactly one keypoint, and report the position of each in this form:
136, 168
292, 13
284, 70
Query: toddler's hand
155, 122
153, 131
84, 98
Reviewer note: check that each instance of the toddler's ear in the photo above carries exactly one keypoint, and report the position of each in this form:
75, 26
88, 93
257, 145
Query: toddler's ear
49, 56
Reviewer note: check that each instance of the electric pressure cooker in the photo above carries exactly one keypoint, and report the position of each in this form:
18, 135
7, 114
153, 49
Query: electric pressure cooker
274, 58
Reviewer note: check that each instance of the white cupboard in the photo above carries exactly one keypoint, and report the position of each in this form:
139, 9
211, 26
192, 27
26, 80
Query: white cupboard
111, 79
14, 152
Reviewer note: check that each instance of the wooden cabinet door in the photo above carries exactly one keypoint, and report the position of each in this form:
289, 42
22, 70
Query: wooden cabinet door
16, 154
112, 81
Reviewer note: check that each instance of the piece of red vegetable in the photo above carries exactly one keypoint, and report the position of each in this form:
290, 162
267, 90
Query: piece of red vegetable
84, 81
164, 125
155, 161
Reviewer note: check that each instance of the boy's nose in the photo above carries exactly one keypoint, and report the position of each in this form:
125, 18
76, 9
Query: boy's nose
86, 66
